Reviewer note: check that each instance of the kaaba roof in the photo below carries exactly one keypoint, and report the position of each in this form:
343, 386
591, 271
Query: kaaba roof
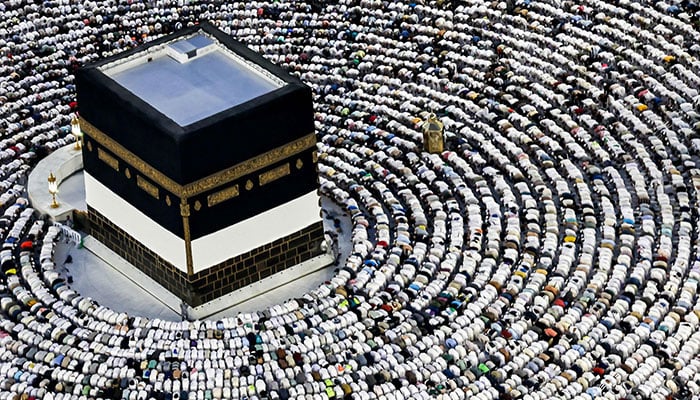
194, 103
191, 78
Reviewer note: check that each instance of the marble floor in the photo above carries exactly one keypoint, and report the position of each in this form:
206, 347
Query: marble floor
72, 191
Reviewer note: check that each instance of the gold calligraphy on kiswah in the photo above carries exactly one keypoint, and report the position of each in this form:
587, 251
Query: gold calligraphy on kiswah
108, 159
274, 174
223, 195
210, 182
147, 186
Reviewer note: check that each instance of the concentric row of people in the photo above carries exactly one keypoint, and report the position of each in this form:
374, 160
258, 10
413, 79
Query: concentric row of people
549, 252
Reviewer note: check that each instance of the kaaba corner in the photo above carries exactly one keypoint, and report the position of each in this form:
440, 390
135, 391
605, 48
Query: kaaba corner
200, 163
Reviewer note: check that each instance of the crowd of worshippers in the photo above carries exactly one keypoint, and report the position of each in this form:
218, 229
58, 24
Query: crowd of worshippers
549, 252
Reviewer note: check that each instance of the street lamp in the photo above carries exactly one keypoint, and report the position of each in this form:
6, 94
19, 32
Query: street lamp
75, 130
53, 189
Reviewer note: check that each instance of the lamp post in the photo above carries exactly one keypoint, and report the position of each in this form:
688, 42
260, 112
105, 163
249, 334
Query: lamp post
53, 189
75, 130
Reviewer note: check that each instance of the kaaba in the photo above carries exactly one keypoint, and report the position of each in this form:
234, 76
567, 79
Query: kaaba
200, 163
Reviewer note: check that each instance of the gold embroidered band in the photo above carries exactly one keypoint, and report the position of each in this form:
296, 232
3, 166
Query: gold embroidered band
210, 182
